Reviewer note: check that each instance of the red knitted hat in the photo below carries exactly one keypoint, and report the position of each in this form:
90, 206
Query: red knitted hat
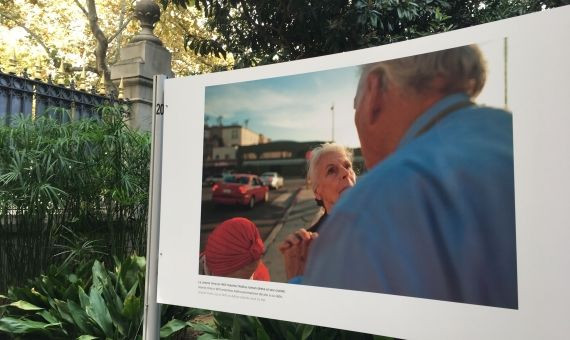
232, 245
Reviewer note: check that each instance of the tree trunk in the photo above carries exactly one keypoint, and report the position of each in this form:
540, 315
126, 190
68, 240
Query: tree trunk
101, 47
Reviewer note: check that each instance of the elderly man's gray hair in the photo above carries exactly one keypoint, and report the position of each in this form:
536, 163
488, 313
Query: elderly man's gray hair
462, 69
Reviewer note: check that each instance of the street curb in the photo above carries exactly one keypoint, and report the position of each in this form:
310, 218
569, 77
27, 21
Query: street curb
269, 240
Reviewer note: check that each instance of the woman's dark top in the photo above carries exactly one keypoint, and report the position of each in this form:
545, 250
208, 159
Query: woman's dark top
315, 227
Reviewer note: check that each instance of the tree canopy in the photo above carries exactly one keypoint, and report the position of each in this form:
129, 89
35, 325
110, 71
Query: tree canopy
211, 35
89, 33
266, 31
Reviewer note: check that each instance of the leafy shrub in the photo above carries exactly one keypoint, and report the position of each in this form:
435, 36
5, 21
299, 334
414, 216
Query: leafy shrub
88, 175
234, 326
89, 302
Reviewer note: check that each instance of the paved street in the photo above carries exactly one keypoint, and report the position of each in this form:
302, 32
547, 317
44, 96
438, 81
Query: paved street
264, 215
302, 214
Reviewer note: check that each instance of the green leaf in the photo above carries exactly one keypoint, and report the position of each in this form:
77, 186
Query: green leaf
374, 20
98, 311
63, 310
133, 289
172, 327
83, 298
286, 329
80, 317
87, 337
307, 331
100, 276
106, 305
236, 328
24, 305
49, 317
200, 327
207, 337
130, 270
115, 306
290, 336
23, 326
262, 334
132, 307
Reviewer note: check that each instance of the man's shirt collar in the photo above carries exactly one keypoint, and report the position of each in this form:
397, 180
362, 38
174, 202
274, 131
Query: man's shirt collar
427, 116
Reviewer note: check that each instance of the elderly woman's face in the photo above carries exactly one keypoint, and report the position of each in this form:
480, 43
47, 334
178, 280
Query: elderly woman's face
335, 175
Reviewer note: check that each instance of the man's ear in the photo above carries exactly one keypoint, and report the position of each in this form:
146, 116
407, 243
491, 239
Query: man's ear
374, 87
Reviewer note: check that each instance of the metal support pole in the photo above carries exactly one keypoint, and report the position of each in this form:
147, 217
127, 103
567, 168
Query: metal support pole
151, 322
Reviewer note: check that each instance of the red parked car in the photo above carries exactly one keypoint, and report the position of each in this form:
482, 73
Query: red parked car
242, 189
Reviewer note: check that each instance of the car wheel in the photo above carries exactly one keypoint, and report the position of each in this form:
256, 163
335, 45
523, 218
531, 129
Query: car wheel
251, 203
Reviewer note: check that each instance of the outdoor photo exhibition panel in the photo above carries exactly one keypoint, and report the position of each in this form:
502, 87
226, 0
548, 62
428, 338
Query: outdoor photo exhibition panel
529, 73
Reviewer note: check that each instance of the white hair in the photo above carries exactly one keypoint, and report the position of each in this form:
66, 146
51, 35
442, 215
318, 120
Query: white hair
316, 155
463, 69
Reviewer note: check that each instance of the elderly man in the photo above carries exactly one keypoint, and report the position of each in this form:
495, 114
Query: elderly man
434, 217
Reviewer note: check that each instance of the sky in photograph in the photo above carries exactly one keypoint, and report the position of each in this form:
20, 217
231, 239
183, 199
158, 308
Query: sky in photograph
296, 108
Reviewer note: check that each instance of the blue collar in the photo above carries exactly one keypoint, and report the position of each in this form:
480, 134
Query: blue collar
425, 117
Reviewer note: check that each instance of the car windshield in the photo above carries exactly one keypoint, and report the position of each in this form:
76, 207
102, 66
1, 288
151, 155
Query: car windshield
234, 179
269, 174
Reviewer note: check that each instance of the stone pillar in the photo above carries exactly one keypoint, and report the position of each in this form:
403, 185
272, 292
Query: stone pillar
141, 59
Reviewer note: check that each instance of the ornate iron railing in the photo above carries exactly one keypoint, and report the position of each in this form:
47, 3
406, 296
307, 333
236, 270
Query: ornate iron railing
33, 97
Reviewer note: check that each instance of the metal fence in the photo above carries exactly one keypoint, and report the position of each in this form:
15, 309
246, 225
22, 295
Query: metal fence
33, 97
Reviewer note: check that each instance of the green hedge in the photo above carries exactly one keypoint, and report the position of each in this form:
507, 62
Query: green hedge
82, 299
90, 176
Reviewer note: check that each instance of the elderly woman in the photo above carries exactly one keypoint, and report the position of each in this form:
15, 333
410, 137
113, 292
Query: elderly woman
330, 173
234, 249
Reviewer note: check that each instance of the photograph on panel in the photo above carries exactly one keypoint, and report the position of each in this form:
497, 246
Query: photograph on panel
394, 177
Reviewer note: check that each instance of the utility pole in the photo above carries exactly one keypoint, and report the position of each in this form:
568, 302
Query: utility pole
332, 125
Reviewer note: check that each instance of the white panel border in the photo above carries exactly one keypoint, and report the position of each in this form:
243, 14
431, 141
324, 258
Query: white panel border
538, 77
